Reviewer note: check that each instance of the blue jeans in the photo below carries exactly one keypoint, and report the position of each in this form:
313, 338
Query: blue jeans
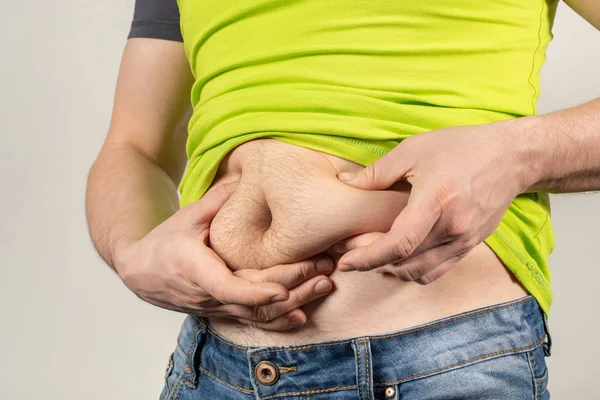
496, 352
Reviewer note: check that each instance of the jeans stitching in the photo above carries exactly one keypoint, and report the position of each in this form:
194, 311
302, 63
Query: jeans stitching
176, 389
231, 385
178, 394
168, 372
534, 365
310, 392
531, 364
181, 348
367, 372
285, 370
481, 357
538, 382
358, 357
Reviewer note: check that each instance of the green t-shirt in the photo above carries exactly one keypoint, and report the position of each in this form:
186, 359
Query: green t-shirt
353, 78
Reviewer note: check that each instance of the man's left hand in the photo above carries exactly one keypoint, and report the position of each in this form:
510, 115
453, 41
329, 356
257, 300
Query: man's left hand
463, 180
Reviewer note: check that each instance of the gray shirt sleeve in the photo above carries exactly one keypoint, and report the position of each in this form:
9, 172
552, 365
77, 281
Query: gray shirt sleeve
158, 19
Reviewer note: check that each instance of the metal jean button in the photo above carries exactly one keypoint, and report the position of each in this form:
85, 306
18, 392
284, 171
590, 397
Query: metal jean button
390, 392
266, 372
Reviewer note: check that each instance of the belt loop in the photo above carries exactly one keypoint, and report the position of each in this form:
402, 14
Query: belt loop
203, 323
548, 343
364, 368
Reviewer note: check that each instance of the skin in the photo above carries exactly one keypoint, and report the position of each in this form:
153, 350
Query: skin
456, 200
160, 252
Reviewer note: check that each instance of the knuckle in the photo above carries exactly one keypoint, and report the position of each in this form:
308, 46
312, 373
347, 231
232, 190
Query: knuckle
251, 323
218, 292
370, 174
425, 280
365, 264
254, 276
299, 298
306, 270
261, 314
352, 243
406, 274
404, 248
458, 226
245, 313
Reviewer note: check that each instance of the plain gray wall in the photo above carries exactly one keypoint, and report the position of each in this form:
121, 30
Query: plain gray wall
69, 329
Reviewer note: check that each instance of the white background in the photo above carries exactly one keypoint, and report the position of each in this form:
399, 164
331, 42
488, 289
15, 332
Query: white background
68, 328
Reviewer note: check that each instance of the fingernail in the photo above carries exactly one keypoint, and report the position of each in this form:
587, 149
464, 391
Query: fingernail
296, 321
346, 263
345, 267
323, 286
278, 298
346, 176
340, 247
324, 265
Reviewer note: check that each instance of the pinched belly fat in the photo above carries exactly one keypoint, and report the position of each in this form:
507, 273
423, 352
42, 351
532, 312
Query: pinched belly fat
289, 205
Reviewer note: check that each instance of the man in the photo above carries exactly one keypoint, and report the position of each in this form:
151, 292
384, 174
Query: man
437, 98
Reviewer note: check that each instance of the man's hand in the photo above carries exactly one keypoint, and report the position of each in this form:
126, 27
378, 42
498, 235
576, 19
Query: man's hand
463, 180
173, 268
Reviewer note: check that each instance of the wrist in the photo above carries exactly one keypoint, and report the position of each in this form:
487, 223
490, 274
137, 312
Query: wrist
529, 142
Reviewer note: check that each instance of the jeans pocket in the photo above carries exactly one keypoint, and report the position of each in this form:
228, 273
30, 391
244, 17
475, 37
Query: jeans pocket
539, 371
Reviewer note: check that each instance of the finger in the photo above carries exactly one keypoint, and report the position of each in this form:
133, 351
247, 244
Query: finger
291, 320
409, 230
214, 277
440, 270
303, 294
290, 275
185, 308
163, 304
417, 267
357, 241
201, 212
384, 172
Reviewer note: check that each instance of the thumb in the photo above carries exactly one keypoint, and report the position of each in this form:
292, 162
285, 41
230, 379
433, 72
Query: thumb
201, 212
354, 242
382, 174
215, 278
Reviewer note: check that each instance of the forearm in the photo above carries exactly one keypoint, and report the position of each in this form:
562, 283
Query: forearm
561, 150
128, 195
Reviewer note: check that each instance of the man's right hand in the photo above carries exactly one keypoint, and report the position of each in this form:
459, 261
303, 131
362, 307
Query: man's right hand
174, 268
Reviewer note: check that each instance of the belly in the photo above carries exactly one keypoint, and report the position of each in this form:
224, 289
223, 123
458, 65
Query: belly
289, 205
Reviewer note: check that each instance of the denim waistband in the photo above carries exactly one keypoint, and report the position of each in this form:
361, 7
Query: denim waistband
374, 360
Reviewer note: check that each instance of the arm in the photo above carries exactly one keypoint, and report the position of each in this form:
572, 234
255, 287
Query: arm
563, 149
564, 146
132, 184
160, 252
